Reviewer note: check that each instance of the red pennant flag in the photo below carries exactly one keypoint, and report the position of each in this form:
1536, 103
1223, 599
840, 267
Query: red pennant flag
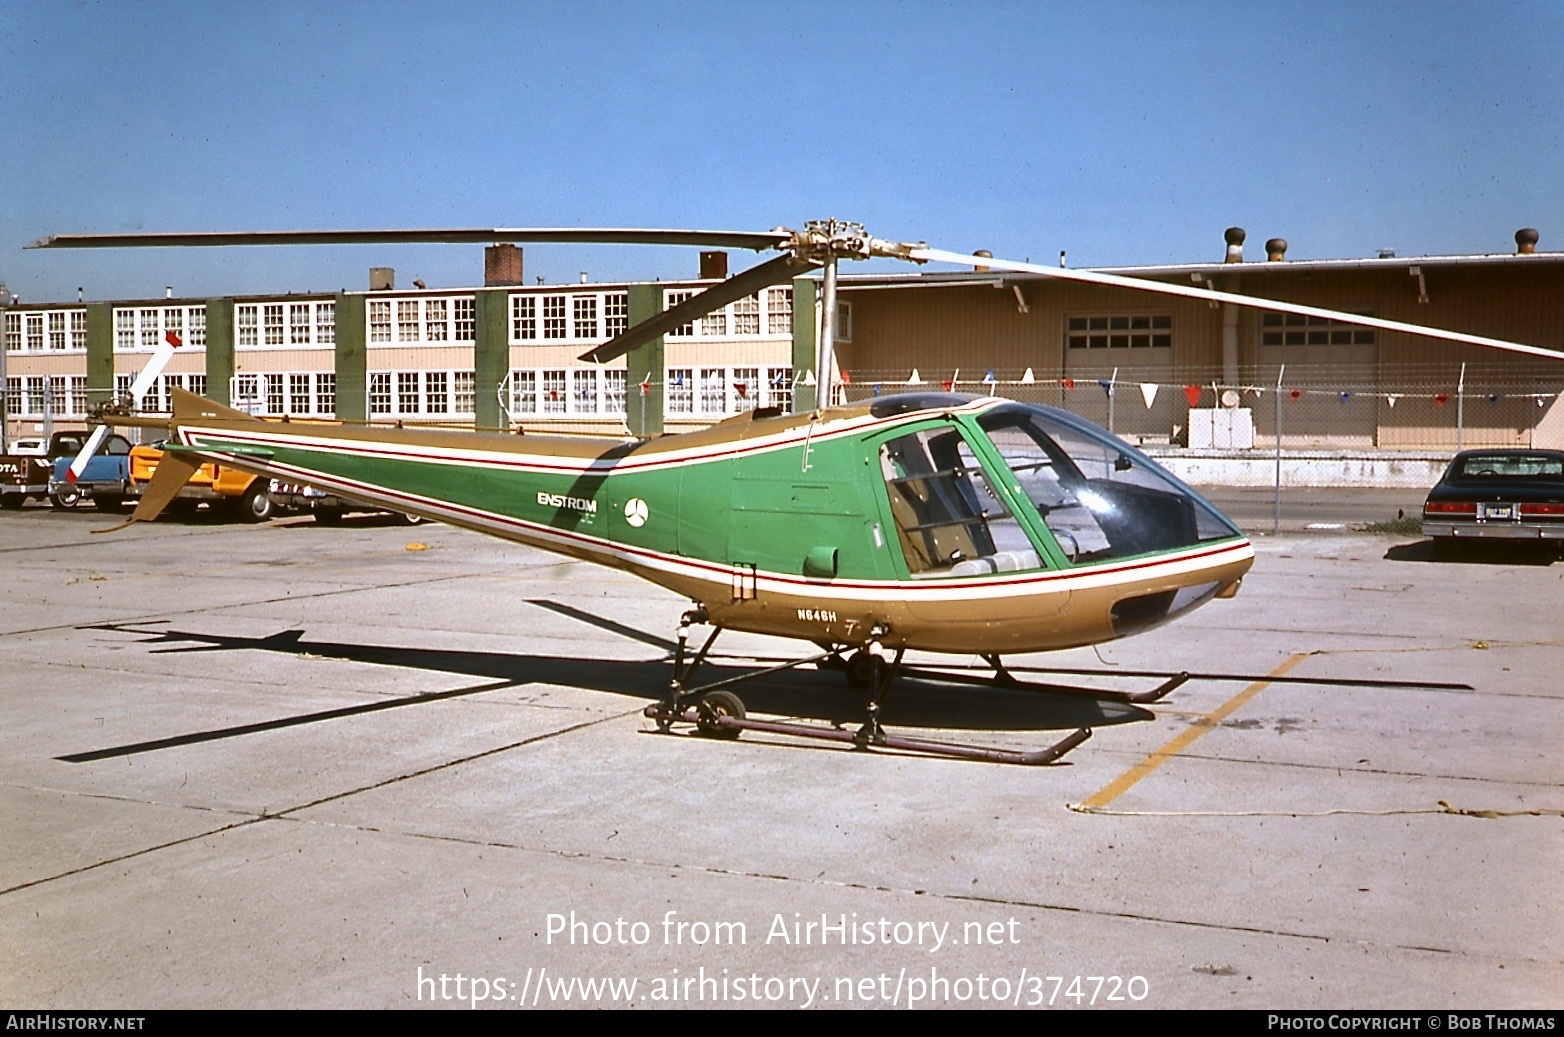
1192, 394
1295, 394
173, 340
948, 384
847, 379
1441, 399
1068, 383
646, 385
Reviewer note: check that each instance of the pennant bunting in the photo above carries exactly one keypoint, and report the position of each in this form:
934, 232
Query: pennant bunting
1295, 394
1345, 396
1068, 383
1192, 394
847, 379
915, 379
1440, 399
1028, 379
1391, 398
1148, 392
1106, 386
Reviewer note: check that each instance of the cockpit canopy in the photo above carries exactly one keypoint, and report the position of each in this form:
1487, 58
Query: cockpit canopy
1098, 498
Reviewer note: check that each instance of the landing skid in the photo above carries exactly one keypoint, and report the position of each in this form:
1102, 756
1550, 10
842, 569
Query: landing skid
717, 712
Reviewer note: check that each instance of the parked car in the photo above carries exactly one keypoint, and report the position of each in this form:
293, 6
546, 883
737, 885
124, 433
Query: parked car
1512, 495
327, 508
28, 470
105, 480
242, 494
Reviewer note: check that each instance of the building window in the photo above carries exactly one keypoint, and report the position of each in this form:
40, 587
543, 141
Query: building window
1294, 329
13, 332
554, 316
779, 391
407, 392
274, 397
149, 329
326, 323
746, 316
436, 329
1120, 332
271, 324
523, 318
299, 324
613, 391
844, 322
407, 320
616, 314
714, 390
715, 324
197, 327
437, 396
380, 320
584, 391
524, 392
681, 391
79, 393
57, 329
464, 399
672, 299
380, 392
779, 311
247, 320
326, 393
466, 321
553, 395
585, 314
746, 388
198, 384
298, 394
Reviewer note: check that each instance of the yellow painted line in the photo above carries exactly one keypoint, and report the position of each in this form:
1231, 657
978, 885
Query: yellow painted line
1184, 739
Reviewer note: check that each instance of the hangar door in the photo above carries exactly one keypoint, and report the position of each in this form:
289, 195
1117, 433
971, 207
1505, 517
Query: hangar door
1140, 347
1335, 365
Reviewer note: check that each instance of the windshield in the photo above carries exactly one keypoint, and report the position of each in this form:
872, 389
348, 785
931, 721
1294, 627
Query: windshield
1101, 498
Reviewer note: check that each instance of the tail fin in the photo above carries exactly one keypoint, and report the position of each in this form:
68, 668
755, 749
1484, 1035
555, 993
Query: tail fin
188, 407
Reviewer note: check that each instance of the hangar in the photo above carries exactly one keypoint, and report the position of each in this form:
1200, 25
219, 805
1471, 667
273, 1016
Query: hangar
1176, 373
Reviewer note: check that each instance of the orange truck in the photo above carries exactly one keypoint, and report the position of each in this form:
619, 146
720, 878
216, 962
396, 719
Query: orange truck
240, 493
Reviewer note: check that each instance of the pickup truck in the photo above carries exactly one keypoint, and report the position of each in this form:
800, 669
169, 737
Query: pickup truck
245, 495
28, 469
105, 481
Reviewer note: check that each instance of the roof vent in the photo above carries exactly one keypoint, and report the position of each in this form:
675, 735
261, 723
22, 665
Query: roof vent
1234, 236
1276, 250
1525, 241
981, 253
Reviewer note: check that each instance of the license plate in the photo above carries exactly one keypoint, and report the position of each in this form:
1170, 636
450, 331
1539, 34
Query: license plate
1497, 513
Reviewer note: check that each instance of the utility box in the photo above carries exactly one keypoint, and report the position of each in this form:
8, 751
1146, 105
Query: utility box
1221, 428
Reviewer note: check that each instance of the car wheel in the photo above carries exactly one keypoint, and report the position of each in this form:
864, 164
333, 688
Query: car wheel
66, 498
409, 520
257, 503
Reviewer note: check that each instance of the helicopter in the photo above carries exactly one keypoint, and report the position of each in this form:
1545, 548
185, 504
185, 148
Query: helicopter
930, 522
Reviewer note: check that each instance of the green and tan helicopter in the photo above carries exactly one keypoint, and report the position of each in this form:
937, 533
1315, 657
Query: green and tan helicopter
934, 522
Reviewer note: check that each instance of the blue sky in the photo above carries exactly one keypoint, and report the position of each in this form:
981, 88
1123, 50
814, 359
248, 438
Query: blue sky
1120, 132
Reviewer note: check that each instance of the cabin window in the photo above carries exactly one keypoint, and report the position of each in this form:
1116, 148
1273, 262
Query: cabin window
949, 521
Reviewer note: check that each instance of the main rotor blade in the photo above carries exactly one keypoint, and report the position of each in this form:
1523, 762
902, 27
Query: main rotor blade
772, 271
759, 241
1211, 295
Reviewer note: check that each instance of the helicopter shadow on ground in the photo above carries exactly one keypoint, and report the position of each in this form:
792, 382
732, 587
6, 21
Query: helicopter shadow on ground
1490, 552
806, 694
